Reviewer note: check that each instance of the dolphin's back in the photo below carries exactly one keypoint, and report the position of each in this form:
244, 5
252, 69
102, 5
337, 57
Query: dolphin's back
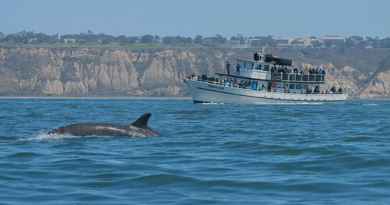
137, 128
83, 129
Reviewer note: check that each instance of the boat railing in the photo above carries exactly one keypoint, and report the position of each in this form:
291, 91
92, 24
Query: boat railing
297, 77
247, 86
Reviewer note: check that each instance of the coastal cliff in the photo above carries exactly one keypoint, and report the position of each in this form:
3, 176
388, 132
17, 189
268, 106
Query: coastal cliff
160, 72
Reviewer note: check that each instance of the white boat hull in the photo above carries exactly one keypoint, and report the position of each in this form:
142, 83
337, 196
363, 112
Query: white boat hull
204, 92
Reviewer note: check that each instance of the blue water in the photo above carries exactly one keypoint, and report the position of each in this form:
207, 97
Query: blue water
206, 154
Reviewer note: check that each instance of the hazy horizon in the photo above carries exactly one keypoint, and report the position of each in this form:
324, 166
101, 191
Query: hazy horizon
190, 18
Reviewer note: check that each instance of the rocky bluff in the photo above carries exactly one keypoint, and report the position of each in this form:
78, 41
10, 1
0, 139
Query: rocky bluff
38, 71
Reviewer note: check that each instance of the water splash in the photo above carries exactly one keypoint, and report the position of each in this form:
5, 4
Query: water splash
44, 136
370, 104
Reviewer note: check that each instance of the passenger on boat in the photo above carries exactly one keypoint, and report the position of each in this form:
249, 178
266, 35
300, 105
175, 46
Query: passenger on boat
238, 68
333, 89
228, 67
317, 89
256, 56
192, 76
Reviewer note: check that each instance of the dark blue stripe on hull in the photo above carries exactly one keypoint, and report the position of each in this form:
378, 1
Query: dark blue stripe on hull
198, 102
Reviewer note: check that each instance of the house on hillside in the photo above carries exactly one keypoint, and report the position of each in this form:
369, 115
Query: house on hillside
304, 42
282, 42
333, 40
69, 40
261, 41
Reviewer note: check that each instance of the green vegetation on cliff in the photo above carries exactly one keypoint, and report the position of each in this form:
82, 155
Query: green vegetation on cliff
90, 39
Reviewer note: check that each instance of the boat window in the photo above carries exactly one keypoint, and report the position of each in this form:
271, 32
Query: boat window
258, 67
266, 67
291, 86
298, 86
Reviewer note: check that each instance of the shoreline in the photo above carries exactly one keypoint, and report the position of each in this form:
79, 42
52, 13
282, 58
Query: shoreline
91, 98
187, 98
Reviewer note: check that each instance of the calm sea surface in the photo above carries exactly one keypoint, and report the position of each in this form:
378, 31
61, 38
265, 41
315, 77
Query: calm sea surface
206, 154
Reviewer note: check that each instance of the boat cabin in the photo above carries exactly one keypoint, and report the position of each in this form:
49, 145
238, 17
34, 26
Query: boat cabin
274, 74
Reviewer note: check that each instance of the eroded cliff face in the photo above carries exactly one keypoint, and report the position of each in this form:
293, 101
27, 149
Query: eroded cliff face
86, 72
160, 72
378, 87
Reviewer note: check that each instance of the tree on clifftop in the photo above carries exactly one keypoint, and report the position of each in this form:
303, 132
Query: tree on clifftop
147, 39
198, 39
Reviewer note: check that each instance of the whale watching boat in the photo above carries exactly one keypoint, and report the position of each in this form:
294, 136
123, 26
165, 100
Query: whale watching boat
264, 79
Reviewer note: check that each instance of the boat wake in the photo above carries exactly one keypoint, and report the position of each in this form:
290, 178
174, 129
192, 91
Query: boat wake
211, 103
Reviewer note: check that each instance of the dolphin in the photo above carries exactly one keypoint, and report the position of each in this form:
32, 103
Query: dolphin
138, 128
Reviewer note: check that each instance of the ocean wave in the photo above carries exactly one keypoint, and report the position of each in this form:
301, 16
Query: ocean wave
370, 104
23, 155
166, 179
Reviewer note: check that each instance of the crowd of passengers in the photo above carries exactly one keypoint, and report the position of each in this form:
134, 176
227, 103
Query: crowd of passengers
311, 71
285, 70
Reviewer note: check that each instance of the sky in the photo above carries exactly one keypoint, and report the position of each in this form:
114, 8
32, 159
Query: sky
283, 18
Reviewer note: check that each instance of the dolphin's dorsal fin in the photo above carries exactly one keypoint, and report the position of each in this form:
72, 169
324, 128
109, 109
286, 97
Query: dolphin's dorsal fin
142, 121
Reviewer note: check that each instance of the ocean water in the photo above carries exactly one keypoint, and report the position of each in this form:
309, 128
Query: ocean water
332, 153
